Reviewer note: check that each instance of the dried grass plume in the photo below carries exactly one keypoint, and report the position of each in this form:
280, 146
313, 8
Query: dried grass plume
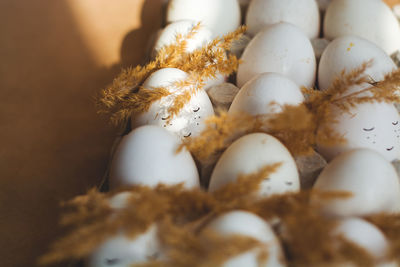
126, 96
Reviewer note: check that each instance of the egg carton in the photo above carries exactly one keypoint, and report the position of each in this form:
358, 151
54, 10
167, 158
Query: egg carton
222, 96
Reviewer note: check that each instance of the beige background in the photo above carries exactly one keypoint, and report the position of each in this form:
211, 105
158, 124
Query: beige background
54, 56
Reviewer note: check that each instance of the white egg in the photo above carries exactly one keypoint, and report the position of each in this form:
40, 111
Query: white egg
169, 33
249, 225
370, 19
365, 235
350, 52
189, 121
266, 93
250, 154
121, 251
220, 16
369, 177
280, 48
304, 14
202, 37
369, 125
148, 156
119, 200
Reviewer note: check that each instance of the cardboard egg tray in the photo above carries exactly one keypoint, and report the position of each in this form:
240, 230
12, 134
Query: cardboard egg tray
104, 186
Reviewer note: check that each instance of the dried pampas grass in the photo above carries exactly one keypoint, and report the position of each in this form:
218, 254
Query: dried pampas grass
181, 215
93, 220
300, 127
126, 96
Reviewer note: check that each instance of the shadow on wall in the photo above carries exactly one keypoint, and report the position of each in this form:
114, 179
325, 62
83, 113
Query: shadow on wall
54, 145
136, 44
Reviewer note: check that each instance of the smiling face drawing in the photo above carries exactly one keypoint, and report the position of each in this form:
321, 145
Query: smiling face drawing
370, 125
190, 120
120, 251
248, 155
277, 183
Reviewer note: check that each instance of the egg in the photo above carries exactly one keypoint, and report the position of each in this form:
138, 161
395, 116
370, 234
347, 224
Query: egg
249, 225
169, 33
189, 121
365, 235
369, 19
369, 177
396, 10
350, 52
202, 37
148, 156
248, 155
368, 125
119, 201
220, 16
266, 93
280, 48
121, 251
304, 14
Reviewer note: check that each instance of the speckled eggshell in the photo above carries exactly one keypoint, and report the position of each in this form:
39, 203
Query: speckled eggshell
304, 14
369, 125
249, 225
370, 19
220, 16
369, 177
120, 251
189, 121
266, 93
280, 48
248, 155
169, 33
350, 52
147, 156
365, 235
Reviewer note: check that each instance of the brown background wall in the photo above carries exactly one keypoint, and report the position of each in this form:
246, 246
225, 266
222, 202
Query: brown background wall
54, 56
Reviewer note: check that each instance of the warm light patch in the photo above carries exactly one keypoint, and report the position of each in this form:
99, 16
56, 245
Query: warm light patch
103, 25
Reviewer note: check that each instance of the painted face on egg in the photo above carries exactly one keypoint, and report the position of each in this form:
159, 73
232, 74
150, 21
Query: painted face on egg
190, 120
119, 251
370, 125
248, 155
274, 184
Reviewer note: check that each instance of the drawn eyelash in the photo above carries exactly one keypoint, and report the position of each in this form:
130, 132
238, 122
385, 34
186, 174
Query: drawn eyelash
195, 110
395, 123
368, 129
165, 118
